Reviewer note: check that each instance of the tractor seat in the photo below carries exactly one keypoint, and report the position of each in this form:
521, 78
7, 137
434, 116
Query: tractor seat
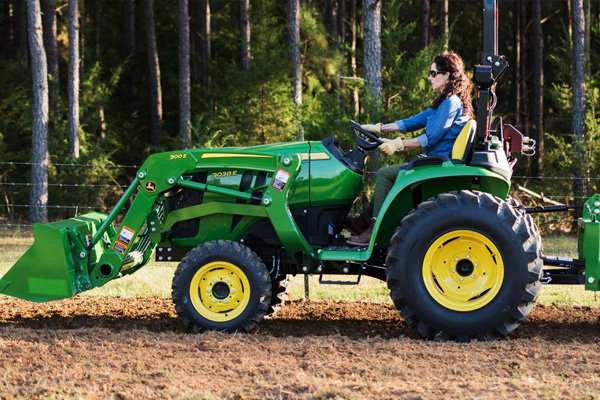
463, 145
461, 151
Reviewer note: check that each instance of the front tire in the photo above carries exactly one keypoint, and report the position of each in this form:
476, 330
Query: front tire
223, 286
464, 265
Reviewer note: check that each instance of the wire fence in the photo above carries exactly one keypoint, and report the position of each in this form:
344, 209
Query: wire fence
66, 199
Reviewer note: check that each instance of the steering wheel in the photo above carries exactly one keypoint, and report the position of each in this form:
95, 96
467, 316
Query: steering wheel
363, 143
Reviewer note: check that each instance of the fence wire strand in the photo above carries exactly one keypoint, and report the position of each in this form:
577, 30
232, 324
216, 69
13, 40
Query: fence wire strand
8, 206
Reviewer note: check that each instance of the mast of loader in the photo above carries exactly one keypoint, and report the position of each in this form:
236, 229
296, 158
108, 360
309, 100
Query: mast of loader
488, 72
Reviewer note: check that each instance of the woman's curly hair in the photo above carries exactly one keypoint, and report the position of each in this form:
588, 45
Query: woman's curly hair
458, 82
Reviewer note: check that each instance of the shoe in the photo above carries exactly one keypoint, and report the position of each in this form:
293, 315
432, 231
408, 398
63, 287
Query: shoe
364, 238
357, 225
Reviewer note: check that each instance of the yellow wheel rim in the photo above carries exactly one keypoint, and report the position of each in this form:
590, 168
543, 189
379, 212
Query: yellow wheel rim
220, 291
463, 270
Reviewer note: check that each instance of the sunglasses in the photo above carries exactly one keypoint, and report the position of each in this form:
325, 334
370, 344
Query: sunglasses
433, 73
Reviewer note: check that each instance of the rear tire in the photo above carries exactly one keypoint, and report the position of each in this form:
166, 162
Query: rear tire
223, 286
464, 265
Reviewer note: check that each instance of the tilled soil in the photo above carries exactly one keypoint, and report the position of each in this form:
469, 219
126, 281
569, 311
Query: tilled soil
137, 348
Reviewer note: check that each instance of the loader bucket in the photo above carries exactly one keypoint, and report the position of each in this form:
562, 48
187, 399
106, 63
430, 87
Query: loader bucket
53, 268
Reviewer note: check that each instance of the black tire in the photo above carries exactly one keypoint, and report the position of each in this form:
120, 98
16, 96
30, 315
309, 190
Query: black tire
533, 228
464, 265
279, 294
222, 286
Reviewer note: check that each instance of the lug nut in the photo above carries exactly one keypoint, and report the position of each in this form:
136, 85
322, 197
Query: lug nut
461, 279
591, 279
455, 258
472, 276
468, 256
453, 270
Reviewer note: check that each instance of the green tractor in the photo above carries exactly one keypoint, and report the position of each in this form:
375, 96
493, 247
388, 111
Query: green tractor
461, 259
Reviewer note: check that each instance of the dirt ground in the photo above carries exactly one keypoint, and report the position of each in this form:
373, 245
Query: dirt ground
136, 348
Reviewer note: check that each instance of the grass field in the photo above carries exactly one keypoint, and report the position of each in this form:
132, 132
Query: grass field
155, 279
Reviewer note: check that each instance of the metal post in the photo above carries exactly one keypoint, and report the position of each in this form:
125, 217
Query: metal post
306, 287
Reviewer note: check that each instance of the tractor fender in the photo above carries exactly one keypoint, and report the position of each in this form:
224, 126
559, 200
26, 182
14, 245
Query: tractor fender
415, 185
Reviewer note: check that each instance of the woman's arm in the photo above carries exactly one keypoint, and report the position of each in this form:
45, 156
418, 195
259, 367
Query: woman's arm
408, 143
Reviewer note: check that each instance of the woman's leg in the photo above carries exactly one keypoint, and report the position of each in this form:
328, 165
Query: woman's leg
386, 177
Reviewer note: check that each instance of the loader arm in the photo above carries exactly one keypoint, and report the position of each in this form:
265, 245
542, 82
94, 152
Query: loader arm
75, 255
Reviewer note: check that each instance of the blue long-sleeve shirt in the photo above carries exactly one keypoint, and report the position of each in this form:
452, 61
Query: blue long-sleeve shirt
442, 126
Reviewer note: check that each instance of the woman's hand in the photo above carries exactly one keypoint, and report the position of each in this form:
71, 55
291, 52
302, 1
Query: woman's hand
373, 128
391, 146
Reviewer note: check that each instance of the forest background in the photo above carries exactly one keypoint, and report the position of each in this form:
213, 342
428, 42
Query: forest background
125, 78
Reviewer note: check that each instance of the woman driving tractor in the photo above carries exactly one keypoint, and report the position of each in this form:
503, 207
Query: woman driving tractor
443, 121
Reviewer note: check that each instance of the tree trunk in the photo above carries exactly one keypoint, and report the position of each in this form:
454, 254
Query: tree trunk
245, 25
73, 78
98, 22
341, 39
333, 32
333, 21
372, 57
578, 123
425, 22
154, 72
51, 47
537, 106
5, 10
341, 22
129, 24
293, 22
444, 26
353, 28
206, 49
524, 21
371, 13
517, 64
38, 200
588, 29
185, 130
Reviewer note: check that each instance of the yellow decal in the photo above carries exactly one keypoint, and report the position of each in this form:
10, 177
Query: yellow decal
177, 156
224, 173
319, 156
315, 156
150, 186
233, 155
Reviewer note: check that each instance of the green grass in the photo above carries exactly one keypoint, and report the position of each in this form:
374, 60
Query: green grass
155, 279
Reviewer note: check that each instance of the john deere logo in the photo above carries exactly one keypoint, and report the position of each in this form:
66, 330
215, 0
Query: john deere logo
150, 186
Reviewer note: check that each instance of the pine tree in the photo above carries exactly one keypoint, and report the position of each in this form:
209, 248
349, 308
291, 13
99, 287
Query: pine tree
38, 211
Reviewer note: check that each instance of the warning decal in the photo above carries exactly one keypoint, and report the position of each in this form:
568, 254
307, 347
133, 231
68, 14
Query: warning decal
124, 239
281, 179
